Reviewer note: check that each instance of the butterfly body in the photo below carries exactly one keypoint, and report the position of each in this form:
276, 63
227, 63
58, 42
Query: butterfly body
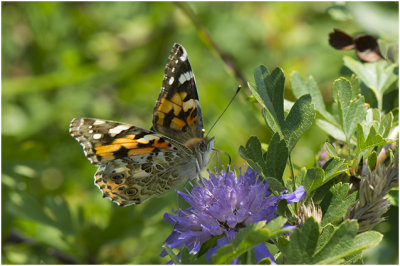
136, 164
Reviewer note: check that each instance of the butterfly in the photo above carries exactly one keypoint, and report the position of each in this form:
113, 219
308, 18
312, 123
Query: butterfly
135, 164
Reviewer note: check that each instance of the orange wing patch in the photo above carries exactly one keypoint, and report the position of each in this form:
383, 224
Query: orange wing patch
144, 145
176, 104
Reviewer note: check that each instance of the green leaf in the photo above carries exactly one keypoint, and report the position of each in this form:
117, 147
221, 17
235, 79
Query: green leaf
378, 76
372, 160
332, 246
314, 179
276, 157
334, 167
300, 118
269, 91
253, 154
26, 207
210, 243
264, 261
300, 87
331, 129
393, 197
270, 165
303, 243
386, 125
331, 150
373, 139
326, 234
171, 254
344, 244
271, 122
283, 209
336, 204
61, 213
187, 258
246, 239
351, 111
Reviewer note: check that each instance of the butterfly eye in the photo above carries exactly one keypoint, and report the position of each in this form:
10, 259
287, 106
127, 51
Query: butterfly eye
202, 146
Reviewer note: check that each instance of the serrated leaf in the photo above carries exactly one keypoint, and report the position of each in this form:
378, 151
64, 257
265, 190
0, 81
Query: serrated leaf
303, 243
299, 120
333, 245
351, 111
269, 91
300, 87
276, 157
386, 125
355, 258
334, 167
337, 203
326, 234
373, 139
246, 239
378, 76
331, 150
342, 244
316, 177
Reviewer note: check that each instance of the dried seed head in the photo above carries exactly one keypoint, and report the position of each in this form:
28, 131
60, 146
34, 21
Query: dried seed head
372, 203
308, 211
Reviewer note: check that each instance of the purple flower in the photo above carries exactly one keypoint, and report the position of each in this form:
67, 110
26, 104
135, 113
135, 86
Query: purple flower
225, 204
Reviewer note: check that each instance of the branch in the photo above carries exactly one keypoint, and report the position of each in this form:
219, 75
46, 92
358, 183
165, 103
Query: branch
210, 42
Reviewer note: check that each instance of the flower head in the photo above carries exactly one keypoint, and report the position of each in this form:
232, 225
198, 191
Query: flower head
224, 204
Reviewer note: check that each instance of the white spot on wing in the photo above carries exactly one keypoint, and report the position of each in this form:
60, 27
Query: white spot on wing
118, 129
189, 104
171, 80
97, 136
173, 70
99, 122
185, 77
183, 57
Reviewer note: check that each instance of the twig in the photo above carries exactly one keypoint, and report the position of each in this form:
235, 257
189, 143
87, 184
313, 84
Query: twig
17, 238
226, 58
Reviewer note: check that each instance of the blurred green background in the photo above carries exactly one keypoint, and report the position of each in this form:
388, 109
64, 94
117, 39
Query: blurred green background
106, 60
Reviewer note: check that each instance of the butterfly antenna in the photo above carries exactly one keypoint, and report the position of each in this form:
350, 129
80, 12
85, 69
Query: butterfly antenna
236, 93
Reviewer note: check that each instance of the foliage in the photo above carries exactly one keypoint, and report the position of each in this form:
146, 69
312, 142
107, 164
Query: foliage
63, 60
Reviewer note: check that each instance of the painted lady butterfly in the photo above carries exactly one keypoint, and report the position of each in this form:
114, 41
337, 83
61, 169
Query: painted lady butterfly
136, 164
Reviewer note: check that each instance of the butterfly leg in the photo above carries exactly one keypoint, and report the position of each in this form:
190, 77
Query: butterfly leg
199, 171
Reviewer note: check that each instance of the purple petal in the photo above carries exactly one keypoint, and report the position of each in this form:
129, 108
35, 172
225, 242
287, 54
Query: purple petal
296, 196
261, 252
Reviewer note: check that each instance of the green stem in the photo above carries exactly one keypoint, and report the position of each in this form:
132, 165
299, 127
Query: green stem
293, 182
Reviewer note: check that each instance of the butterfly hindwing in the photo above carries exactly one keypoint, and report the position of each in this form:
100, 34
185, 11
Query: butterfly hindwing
104, 140
177, 113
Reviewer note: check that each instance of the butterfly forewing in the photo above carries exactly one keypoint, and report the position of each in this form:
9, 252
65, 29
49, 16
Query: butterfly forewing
177, 113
